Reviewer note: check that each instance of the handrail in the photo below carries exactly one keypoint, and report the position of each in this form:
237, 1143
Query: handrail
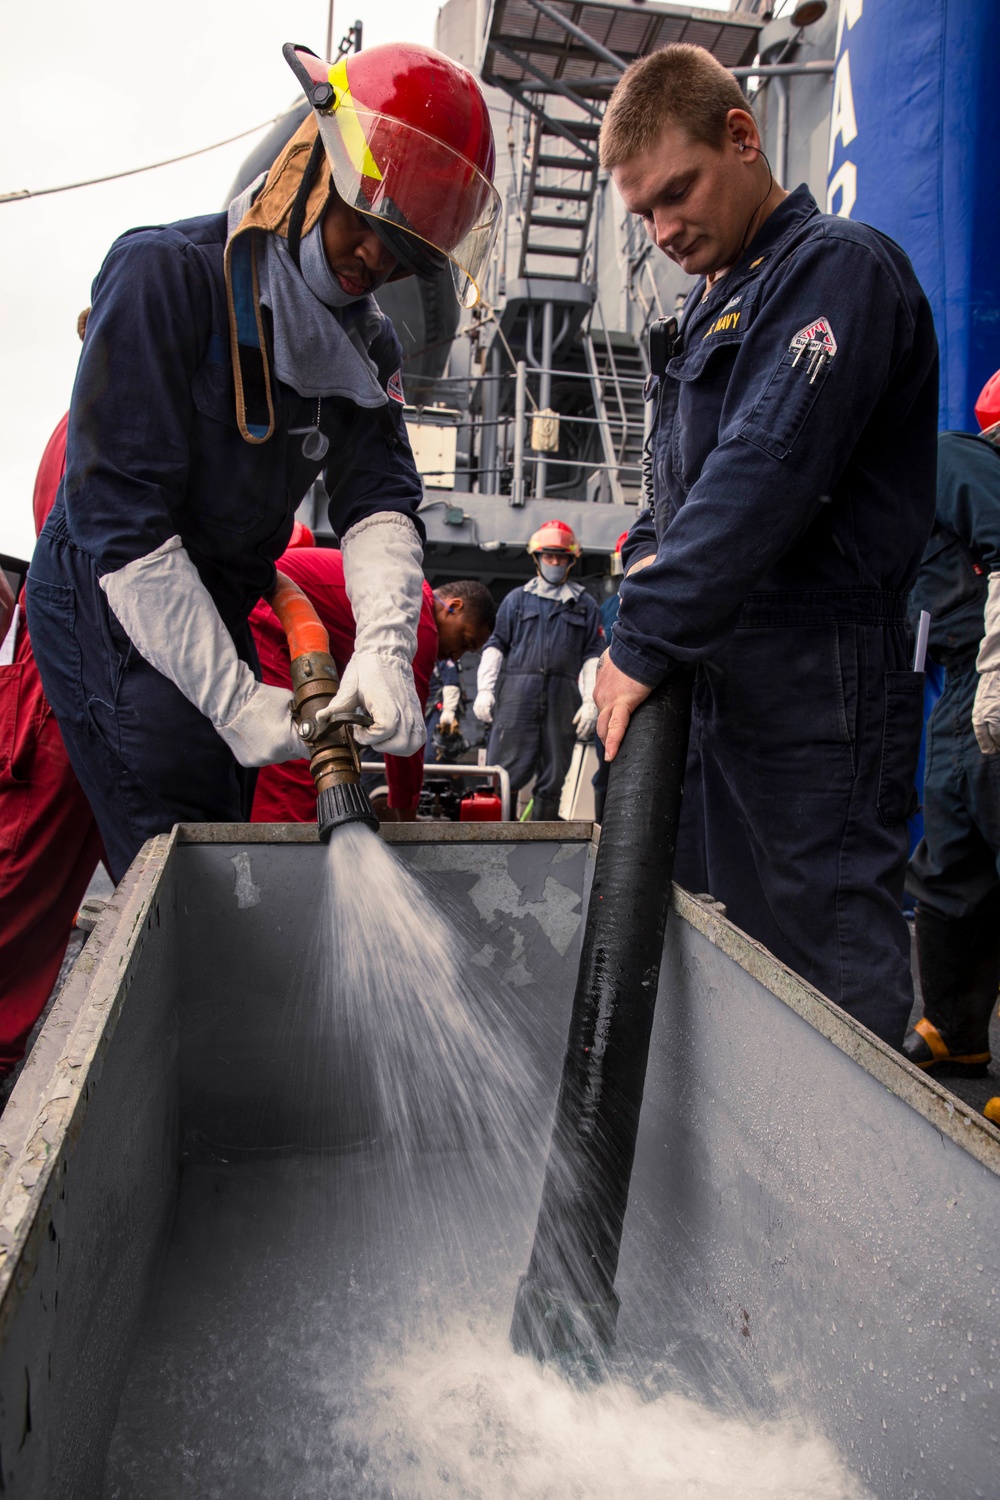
607, 441
498, 771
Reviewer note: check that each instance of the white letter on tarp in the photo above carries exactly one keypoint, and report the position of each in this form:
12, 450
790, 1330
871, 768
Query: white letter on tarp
845, 182
843, 121
850, 13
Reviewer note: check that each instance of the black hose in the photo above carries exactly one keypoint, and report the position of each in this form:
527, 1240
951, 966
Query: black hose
566, 1306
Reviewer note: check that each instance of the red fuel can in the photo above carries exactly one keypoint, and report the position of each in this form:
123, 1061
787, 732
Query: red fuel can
480, 806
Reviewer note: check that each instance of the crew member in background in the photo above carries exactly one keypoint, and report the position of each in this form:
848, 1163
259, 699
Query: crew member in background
229, 361
49, 843
793, 468
547, 636
453, 619
446, 703
954, 872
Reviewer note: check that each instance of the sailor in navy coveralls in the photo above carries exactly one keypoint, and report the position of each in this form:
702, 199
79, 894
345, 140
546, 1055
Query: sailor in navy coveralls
793, 450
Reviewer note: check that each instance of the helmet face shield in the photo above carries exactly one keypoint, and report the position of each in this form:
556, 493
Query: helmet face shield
400, 175
424, 184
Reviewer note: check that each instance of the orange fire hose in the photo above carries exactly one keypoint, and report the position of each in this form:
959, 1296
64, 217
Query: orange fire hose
299, 620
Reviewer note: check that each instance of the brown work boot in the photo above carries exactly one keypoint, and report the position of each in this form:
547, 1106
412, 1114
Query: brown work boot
959, 960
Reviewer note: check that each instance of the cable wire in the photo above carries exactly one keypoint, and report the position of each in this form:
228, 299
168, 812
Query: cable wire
21, 194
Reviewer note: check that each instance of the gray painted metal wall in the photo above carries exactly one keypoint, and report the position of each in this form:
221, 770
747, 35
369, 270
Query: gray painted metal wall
814, 1227
823, 1221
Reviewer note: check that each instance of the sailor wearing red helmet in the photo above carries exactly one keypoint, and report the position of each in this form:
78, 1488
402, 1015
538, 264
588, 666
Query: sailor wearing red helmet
231, 360
547, 641
954, 872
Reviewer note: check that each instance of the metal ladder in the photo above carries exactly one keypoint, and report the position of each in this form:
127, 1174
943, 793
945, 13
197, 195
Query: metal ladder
617, 371
559, 199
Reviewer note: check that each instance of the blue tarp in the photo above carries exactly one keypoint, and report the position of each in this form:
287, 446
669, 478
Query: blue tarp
916, 153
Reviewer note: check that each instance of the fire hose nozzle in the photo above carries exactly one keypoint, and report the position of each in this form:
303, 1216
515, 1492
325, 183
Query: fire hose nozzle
333, 755
356, 718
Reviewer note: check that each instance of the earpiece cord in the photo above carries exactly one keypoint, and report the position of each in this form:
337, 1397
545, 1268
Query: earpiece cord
770, 184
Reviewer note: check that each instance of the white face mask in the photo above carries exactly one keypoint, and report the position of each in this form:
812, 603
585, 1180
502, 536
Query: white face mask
553, 572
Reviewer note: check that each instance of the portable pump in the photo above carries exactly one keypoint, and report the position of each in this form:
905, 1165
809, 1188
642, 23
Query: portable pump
334, 759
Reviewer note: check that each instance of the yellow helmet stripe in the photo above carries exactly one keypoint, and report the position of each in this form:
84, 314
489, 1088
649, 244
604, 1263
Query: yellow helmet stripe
351, 129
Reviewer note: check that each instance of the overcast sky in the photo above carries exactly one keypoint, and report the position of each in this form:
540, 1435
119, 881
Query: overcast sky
88, 89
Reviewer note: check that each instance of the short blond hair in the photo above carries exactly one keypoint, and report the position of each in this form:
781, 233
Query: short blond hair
679, 85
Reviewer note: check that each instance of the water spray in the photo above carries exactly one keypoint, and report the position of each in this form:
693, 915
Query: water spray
566, 1307
333, 755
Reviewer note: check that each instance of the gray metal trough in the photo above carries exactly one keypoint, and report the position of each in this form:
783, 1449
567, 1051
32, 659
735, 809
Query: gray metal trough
813, 1226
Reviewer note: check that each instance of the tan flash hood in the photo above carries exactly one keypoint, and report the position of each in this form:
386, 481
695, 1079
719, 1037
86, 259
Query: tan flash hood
269, 214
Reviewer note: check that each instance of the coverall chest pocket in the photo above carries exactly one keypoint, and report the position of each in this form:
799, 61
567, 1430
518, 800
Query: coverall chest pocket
213, 393
228, 476
702, 375
789, 396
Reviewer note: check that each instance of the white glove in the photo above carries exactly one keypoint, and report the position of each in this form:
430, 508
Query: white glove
385, 583
171, 619
451, 697
986, 707
586, 716
486, 680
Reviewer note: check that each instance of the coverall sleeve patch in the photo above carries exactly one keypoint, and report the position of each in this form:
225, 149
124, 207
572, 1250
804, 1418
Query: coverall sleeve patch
816, 338
394, 387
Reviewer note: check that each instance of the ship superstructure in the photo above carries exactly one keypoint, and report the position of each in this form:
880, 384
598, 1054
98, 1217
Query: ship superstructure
532, 403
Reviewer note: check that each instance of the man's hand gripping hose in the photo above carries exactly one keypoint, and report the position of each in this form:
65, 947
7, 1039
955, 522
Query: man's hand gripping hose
328, 733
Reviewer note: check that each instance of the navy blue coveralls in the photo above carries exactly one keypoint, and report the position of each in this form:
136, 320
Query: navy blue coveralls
154, 451
793, 453
544, 642
955, 868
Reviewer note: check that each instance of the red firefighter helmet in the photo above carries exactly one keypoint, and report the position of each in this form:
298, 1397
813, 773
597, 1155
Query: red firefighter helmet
616, 556
988, 405
554, 536
409, 142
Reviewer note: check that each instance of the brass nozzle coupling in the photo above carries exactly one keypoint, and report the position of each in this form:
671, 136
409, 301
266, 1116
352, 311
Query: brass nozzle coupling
334, 759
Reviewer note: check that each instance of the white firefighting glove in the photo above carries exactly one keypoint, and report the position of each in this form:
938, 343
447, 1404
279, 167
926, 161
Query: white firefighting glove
986, 707
384, 581
451, 697
585, 718
171, 619
486, 680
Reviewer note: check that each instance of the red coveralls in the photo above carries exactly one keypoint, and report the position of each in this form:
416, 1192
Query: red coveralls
49, 843
285, 793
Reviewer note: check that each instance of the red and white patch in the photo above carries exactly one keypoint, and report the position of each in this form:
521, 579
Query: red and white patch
816, 336
394, 389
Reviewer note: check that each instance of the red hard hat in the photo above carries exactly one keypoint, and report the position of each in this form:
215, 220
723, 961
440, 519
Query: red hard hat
408, 137
988, 405
621, 541
554, 536
301, 537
